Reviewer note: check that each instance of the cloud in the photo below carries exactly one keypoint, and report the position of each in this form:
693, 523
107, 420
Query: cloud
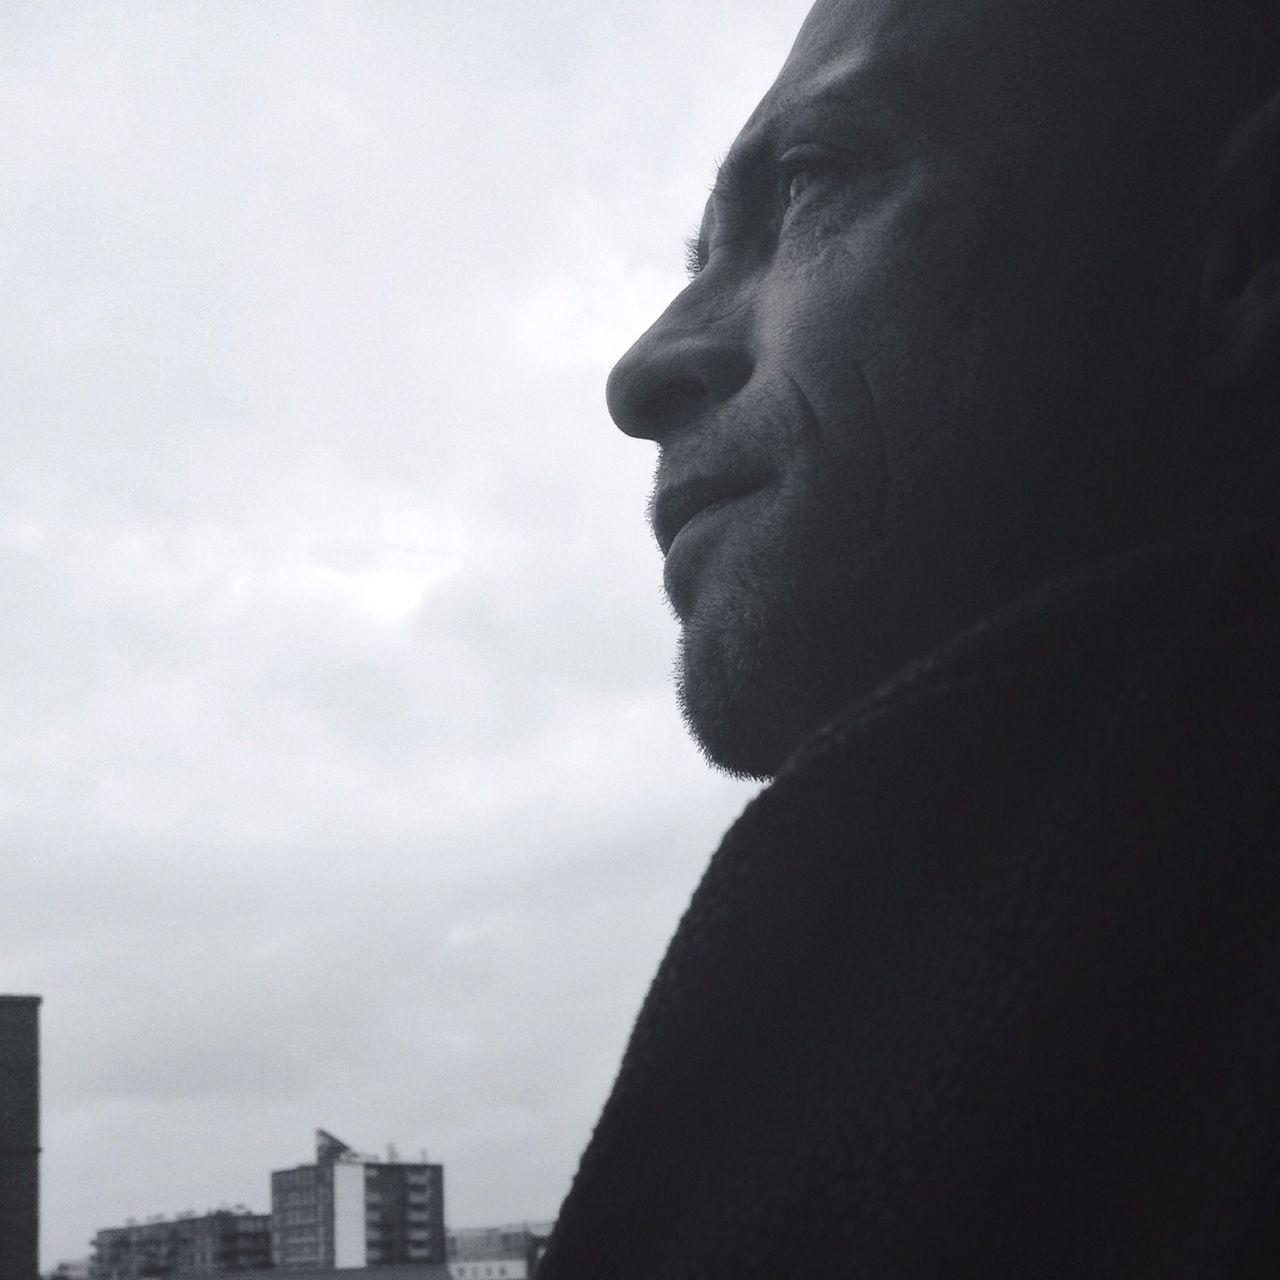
341, 781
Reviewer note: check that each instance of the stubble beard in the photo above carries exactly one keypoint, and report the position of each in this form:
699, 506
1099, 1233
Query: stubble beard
770, 660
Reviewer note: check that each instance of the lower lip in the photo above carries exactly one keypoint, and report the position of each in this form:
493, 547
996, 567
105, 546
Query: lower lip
696, 520
693, 543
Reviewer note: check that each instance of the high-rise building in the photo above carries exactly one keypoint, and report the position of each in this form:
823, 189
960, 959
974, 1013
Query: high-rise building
19, 1137
225, 1240
350, 1210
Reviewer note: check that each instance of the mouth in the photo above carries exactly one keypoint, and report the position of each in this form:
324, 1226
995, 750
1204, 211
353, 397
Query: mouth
676, 504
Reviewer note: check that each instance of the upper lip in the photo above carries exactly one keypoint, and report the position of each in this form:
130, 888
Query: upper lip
676, 502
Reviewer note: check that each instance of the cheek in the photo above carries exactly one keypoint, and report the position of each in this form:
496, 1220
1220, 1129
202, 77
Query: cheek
835, 476
819, 351
922, 326
883, 328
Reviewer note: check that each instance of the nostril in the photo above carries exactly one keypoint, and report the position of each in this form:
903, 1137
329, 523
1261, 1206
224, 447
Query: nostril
647, 397
667, 379
672, 397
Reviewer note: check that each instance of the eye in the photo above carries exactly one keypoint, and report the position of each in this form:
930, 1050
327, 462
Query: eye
800, 170
798, 184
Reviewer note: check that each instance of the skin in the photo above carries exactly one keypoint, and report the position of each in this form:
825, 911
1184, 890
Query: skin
942, 344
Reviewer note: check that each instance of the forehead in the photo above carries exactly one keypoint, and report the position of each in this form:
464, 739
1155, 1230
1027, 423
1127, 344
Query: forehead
922, 65
936, 64
977, 83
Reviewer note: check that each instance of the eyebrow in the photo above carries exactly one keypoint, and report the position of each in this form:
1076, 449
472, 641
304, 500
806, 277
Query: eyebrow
864, 112
737, 172
737, 178
736, 187
736, 181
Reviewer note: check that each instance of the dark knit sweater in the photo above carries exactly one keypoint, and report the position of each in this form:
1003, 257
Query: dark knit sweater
987, 981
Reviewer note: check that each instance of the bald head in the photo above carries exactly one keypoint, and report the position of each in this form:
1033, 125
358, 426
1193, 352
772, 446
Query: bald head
960, 322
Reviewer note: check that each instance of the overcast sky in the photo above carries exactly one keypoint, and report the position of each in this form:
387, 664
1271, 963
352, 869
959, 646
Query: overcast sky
341, 781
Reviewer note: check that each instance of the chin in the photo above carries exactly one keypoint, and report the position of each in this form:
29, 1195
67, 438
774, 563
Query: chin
775, 641
750, 697
729, 734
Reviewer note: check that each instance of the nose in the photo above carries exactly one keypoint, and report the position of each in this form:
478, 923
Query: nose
684, 365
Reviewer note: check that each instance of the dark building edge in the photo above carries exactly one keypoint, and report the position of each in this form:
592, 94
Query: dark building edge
20, 1137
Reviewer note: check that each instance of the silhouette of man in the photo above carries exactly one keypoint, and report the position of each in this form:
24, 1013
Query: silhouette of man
967, 433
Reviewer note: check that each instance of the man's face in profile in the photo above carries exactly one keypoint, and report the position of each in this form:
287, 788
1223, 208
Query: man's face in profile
926, 358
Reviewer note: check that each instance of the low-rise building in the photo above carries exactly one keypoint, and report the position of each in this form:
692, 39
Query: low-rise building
393, 1271
224, 1240
71, 1269
508, 1252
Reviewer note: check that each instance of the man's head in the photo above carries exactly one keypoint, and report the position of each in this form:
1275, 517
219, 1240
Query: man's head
965, 308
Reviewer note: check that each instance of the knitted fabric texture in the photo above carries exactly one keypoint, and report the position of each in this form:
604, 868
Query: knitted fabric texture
987, 981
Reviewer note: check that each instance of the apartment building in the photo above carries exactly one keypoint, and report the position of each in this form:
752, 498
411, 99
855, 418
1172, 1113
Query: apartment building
225, 1240
351, 1210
